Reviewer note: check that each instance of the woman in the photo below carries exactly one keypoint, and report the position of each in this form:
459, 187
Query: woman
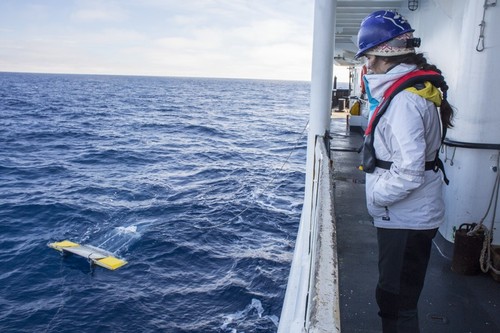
403, 183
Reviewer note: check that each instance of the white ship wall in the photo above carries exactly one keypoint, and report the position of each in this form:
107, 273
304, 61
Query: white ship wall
450, 32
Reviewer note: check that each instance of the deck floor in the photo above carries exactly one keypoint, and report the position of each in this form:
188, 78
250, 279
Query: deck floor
449, 302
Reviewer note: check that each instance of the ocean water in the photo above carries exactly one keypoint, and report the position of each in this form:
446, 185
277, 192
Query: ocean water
197, 183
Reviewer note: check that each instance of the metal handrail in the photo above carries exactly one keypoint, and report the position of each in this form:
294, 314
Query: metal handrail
472, 145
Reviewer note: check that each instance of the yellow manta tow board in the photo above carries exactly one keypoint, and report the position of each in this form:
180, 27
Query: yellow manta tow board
96, 255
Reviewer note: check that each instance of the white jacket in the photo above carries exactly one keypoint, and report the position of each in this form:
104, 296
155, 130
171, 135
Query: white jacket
408, 134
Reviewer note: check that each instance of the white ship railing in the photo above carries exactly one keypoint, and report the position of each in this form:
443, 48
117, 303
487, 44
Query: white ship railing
312, 297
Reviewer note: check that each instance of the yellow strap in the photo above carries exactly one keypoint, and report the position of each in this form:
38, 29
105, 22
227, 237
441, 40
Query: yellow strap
429, 92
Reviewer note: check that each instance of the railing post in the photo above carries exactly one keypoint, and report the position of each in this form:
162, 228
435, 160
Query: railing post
321, 84
294, 313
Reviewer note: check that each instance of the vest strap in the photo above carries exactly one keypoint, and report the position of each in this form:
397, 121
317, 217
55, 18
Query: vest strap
430, 165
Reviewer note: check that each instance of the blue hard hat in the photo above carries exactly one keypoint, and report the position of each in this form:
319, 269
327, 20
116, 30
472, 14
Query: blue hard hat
379, 27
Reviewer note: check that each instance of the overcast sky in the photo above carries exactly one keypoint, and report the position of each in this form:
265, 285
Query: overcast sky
269, 39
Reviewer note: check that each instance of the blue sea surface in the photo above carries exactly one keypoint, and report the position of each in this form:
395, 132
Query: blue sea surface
197, 183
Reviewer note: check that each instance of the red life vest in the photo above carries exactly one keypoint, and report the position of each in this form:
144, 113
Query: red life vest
406, 81
369, 159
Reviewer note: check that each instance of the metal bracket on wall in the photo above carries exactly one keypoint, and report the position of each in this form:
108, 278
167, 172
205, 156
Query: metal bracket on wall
482, 25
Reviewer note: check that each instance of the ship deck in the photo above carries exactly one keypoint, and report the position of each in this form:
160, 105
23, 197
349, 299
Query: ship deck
450, 302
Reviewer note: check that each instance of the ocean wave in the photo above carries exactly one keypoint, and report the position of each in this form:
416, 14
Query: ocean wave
197, 183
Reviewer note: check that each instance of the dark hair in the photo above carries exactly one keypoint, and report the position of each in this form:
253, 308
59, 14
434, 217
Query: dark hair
418, 59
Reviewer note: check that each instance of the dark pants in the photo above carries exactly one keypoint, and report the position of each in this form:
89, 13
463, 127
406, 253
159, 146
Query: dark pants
403, 258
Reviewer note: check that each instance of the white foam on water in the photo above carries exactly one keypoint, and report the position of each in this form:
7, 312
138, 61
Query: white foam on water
127, 230
120, 238
255, 307
274, 319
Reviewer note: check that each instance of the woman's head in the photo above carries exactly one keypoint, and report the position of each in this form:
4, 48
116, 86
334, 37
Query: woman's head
377, 65
386, 39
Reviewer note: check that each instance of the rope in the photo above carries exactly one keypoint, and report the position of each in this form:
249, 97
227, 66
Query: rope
107, 240
65, 290
127, 242
485, 259
265, 187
